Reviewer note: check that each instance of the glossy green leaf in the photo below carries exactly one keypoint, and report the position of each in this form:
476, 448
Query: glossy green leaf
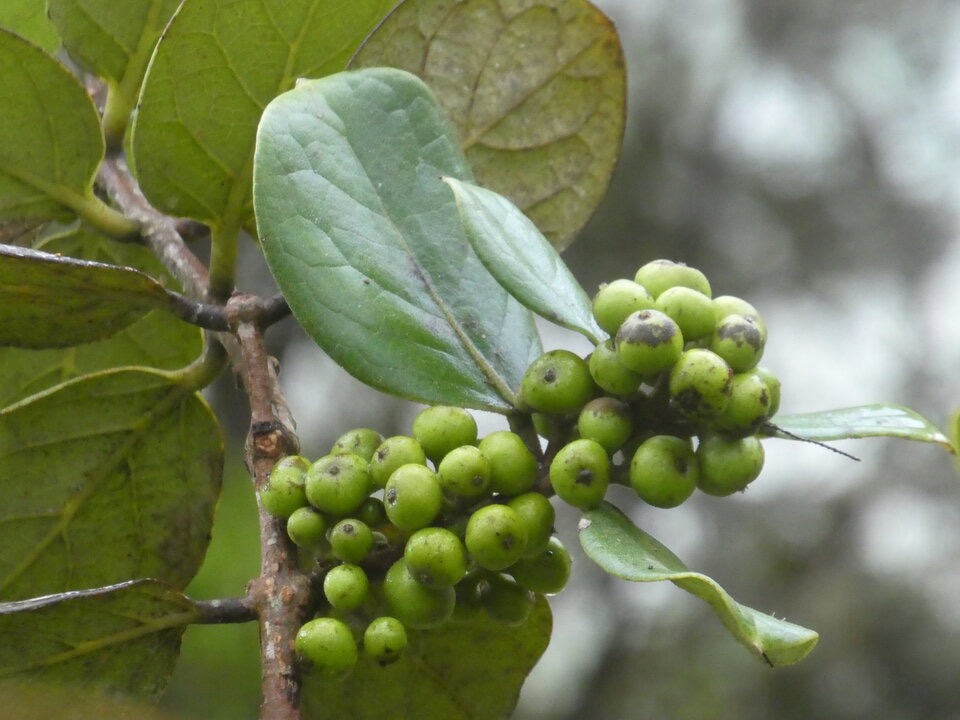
28, 19
48, 300
158, 340
104, 478
622, 549
365, 241
536, 90
522, 260
878, 420
462, 671
124, 638
217, 66
50, 140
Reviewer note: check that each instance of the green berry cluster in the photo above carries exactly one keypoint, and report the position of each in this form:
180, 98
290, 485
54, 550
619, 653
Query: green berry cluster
413, 532
671, 402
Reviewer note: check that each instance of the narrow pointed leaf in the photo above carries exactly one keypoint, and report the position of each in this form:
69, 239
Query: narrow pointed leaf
365, 241
624, 550
48, 300
158, 340
522, 260
50, 140
107, 477
878, 420
124, 638
28, 19
536, 90
216, 67
111, 39
463, 671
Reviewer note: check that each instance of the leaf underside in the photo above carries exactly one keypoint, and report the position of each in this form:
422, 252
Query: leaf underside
536, 90
107, 477
464, 671
612, 541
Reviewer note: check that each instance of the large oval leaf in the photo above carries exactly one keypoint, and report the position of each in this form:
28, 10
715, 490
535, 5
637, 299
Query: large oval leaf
365, 241
124, 638
50, 140
216, 67
463, 671
877, 420
104, 478
536, 89
622, 549
518, 255
28, 19
48, 300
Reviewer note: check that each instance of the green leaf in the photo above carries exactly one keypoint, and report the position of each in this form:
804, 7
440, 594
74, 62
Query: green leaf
158, 340
28, 19
522, 260
111, 39
622, 549
115, 41
217, 66
365, 241
50, 140
124, 638
878, 420
463, 671
54, 301
536, 89
104, 478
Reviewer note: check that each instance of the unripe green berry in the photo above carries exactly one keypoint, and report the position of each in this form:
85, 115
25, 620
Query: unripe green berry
468, 593
506, 601
284, 491
412, 497
362, 442
384, 640
338, 484
773, 387
441, 428
350, 540
690, 309
749, 404
465, 472
496, 536
413, 604
609, 373
580, 473
608, 421
658, 276
546, 573
664, 471
513, 468
346, 586
538, 516
724, 305
739, 341
700, 383
728, 465
648, 342
328, 645
372, 513
615, 300
557, 383
436, 557
307, 528
391, 454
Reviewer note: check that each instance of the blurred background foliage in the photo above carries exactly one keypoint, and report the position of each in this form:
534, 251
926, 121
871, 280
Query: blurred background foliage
806, 156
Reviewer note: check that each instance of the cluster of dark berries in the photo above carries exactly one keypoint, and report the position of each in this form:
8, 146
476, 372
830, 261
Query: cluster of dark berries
412, 532
671, 402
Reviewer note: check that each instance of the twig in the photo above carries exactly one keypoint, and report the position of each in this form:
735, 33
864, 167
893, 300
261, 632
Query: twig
224, 611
